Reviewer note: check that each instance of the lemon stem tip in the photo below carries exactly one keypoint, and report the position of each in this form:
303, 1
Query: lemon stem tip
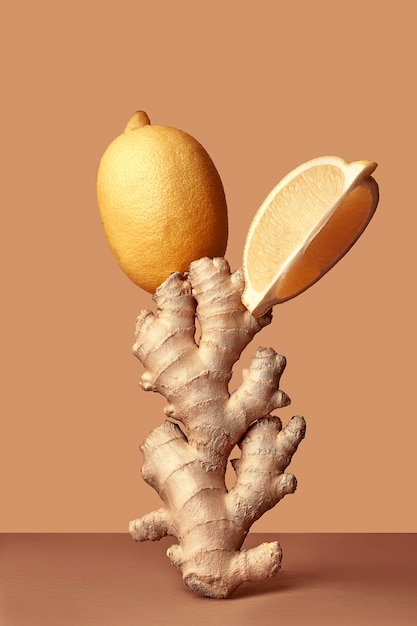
138, 119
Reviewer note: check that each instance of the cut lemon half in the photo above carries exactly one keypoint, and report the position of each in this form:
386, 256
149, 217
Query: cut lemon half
305, 225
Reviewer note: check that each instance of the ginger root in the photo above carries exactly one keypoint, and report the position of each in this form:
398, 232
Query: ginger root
185, 458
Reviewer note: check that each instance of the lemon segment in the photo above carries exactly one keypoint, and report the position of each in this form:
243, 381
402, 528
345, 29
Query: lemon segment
304, 226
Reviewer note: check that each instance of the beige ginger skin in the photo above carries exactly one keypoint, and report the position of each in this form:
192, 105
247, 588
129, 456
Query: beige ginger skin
185, 458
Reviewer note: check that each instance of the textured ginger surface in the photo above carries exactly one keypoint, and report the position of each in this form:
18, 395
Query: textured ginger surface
185, 458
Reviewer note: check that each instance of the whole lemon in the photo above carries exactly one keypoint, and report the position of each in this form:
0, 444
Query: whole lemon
161, 202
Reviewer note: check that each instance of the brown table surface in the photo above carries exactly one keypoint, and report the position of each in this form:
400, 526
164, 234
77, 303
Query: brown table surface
107, 579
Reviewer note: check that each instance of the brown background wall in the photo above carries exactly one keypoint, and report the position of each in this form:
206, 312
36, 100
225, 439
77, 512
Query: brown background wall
264, 86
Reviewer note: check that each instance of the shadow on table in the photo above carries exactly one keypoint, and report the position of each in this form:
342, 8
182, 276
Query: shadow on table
283, 582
